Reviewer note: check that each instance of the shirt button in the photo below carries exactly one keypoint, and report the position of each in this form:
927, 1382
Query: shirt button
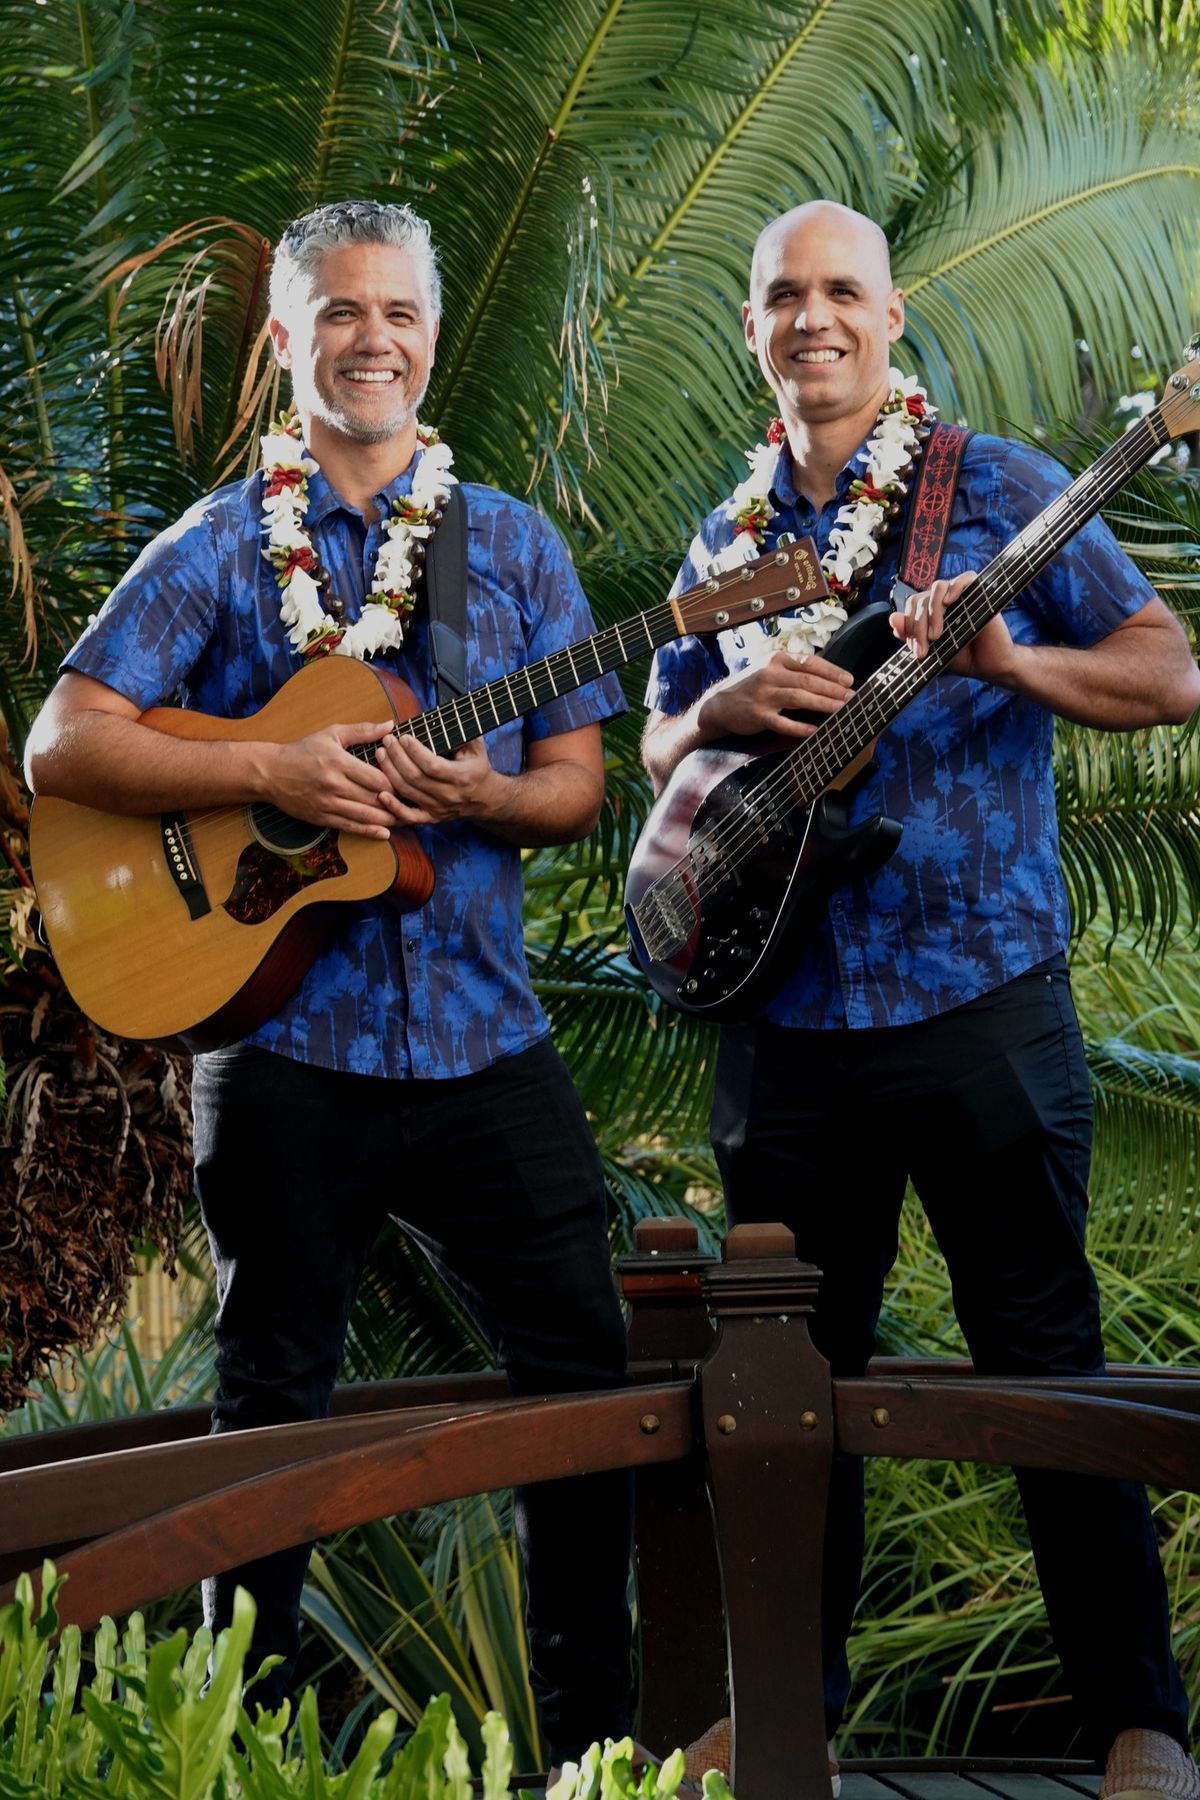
410, 945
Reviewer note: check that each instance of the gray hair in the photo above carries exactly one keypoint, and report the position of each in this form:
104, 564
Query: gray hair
306, 240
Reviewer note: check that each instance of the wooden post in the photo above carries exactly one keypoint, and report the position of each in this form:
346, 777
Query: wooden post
682, 1659
767, 1422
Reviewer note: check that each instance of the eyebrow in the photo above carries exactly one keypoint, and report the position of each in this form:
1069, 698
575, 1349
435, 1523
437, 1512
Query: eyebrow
410, 305
782, 282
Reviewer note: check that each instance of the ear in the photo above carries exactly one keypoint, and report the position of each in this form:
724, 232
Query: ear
280, 336
896, 315
748, 327
433, 337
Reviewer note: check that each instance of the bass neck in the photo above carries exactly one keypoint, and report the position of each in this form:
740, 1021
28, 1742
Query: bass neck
843, 737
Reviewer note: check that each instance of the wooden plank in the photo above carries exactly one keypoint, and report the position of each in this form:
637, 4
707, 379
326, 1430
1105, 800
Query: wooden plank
516, 1440
1029, 1787
866, 1787
936, 1784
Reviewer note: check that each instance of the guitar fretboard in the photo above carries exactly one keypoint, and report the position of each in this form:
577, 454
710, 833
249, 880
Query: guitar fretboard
448, 727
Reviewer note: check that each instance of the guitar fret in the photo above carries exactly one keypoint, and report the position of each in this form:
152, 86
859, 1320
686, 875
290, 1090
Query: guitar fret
533, 693
512, 698
571, 661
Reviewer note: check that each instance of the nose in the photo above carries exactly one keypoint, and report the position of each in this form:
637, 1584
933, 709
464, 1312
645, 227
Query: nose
373, 337
814, 315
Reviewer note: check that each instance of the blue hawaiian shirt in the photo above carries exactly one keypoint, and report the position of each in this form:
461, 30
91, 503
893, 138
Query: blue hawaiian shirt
974, 894
438, 992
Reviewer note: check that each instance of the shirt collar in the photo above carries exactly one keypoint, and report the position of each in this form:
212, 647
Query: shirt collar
784, 494
323, 497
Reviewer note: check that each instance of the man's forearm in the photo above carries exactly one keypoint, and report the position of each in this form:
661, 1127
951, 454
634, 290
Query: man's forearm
558, 803
668, 738
1132, 678
103, 760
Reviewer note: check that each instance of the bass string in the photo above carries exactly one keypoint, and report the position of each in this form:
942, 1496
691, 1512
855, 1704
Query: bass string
1025, 555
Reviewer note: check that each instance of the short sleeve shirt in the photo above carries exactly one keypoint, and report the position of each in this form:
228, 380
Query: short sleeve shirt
438, 992
974, 894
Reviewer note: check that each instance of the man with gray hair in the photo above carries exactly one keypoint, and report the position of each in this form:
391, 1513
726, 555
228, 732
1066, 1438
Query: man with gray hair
411, 1073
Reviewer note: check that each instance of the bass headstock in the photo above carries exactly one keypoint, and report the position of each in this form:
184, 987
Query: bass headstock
787, 576
1179, 408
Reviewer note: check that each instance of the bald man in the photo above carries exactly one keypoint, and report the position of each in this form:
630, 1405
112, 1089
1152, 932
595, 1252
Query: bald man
926, 1030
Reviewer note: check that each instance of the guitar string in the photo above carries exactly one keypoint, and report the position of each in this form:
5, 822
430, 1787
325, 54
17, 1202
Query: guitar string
538, 678
1123, 458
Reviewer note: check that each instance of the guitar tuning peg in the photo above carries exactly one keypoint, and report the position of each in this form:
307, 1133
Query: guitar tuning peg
714, 570
1193, 349
784, 539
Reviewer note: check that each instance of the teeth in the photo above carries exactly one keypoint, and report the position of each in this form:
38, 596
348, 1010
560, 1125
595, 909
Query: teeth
369, 374
817, 356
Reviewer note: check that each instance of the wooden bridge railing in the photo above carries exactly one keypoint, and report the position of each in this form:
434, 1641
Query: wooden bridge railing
731, 1421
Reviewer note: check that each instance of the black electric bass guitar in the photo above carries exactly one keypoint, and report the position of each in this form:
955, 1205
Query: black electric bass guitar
191, 928
750, 836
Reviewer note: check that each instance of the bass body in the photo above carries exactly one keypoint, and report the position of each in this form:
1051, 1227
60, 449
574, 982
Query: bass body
728, 871
746, 843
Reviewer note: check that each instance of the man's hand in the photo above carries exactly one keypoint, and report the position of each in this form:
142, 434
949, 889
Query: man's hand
990, 656
424, 789
760, 698
319, 778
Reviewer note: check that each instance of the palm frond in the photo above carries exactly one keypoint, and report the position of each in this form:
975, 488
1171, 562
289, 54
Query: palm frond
1129, 813
1091, 175
632, 1058
1145, 1199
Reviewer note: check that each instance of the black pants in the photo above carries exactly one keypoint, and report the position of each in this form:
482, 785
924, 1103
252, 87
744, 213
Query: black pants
987, 1109
496, 1176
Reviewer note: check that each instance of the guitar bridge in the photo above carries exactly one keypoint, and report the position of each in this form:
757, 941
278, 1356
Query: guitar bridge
181, 864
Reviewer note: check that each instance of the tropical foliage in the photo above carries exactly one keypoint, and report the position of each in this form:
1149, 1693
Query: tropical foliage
170, 1720
596, 171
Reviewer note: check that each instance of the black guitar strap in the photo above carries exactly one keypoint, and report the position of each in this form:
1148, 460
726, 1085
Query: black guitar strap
928, 522
446, 599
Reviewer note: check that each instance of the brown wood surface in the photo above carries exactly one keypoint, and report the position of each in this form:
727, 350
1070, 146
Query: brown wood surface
513, 1441
769, 1481
985, 1421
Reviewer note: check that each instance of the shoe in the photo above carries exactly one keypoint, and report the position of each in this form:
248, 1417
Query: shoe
1149, 1765
712, 1749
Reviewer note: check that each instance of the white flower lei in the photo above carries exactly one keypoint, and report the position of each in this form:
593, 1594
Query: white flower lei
290, 550
900, 429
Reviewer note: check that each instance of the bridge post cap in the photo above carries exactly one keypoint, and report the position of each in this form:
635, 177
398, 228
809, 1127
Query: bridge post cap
746, 1241
653, 1236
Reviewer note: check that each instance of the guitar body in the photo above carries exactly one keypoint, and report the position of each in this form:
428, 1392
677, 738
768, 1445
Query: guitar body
191, 929
712, 937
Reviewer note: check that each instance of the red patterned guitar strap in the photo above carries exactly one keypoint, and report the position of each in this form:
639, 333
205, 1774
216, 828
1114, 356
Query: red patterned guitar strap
928, 522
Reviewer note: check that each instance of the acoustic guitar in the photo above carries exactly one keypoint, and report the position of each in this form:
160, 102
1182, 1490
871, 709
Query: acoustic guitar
189, 929
750, 837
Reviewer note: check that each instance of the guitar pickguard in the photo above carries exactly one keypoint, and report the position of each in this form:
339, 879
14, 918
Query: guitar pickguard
266, 879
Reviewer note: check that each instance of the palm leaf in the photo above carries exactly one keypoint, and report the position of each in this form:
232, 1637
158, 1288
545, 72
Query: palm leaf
1089, 172
1144, 1187
1129, 812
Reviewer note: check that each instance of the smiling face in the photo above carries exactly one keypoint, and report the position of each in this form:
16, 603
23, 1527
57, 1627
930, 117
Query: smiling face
823, 314
358, 339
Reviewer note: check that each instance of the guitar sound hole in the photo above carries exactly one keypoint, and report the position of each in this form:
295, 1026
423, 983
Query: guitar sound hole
279, 832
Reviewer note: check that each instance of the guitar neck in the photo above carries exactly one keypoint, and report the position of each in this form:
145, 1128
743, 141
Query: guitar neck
840, 739
447, 727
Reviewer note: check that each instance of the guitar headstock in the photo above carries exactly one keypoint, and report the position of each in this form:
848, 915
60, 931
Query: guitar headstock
787, 576
1180, 404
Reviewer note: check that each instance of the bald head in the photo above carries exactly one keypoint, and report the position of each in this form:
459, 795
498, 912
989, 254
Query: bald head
822, 317
864, 242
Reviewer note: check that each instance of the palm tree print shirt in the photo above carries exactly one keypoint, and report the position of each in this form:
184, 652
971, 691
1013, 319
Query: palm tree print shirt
439, 992
974, 894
